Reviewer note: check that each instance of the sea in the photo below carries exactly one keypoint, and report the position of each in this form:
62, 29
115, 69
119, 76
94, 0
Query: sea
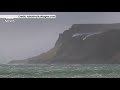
60, 71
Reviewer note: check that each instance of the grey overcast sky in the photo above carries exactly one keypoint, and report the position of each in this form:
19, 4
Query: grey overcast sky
28, 38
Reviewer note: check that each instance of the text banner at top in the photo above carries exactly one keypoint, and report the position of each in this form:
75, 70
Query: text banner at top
26, 16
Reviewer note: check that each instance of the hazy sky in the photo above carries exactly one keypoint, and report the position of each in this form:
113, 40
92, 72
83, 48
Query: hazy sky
27, 38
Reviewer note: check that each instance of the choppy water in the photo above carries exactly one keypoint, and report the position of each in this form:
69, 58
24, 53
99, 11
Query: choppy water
60, 71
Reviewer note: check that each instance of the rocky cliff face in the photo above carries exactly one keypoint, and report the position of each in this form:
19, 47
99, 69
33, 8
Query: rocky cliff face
84, 44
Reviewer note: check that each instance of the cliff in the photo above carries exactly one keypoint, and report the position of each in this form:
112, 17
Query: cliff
84, 44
